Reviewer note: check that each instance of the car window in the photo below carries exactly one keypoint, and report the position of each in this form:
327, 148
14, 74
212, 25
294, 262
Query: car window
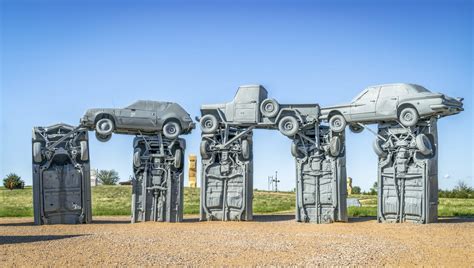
393, 90
370, 94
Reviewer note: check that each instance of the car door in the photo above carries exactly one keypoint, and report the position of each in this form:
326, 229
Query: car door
387, 102
363, 108
139, 118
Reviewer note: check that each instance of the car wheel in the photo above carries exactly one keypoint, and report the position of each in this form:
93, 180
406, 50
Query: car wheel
245, 149
84, 150
178, 158
204, 149
102, 138
37, 156
171, 130
377, 146
423, 144
209, 124
335, 146
137, 162
408, 116
104, 126
356, 128
337, 123
288, 126
295, 152
269, 108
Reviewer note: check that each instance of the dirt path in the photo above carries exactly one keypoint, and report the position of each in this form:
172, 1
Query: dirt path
269, 240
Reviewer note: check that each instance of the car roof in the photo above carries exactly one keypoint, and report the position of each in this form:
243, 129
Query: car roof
395, 84
143, 104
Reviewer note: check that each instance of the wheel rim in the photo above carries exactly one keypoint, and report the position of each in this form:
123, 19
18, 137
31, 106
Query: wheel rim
105, 126
408, 116
269, 107
171, 129
288, 125
208, 123
337, 123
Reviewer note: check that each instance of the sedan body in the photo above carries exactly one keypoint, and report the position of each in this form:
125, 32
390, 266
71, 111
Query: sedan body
384, 103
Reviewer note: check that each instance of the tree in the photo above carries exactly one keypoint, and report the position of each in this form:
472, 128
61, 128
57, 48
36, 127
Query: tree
108, 177
356, 190
373, 190
13, 181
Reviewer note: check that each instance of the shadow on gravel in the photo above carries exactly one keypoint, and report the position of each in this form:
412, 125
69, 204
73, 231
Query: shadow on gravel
17, 239
455, 220
111, 221
18, 224
272, 218
362, 219
190, 219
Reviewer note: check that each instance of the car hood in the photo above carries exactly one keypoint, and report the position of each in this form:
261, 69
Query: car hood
212, 106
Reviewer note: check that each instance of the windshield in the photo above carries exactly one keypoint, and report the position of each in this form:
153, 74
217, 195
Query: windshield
419, 89
137, 105
360, 95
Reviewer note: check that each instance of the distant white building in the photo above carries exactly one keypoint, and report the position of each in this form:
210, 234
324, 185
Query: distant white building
94, 180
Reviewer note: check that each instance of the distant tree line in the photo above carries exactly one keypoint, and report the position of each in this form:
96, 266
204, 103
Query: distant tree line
462, 190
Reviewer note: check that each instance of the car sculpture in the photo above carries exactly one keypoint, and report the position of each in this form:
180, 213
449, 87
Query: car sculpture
252, 107
406, 103
142, 117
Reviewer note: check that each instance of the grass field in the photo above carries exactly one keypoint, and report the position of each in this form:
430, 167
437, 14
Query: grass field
116, 200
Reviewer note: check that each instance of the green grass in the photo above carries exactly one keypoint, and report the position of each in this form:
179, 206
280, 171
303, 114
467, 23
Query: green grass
447, 207
116, 200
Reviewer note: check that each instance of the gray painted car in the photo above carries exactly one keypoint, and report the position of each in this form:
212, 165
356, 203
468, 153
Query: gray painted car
142, 117
406, 103
251, 107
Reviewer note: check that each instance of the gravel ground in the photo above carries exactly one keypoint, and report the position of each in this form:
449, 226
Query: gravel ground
269, 240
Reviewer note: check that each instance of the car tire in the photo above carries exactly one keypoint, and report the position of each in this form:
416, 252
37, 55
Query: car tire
295, 152
377, 146
269, 108
337, 123
137, 161
102, 138
204, 149
104, 127
171, 130
245, 149
423, 144
335, 146
356, 128
178, 158
209, 124
408, 116
37, 156
84, 150
288, 126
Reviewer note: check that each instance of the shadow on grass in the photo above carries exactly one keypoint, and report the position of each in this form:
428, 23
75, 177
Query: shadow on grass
17, 239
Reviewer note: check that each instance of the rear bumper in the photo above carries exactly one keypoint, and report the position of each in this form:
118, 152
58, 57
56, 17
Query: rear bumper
444, 107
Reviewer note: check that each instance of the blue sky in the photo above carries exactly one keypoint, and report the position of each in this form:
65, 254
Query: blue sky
59, 58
